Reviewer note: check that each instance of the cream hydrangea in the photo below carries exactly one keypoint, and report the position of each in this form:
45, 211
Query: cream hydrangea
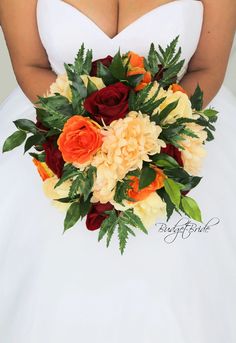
127, 143
194, 150
57, 193
62, 85
104, 184
183, 109
149, 210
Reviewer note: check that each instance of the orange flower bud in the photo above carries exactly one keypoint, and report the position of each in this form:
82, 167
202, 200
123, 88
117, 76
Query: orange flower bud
142, 194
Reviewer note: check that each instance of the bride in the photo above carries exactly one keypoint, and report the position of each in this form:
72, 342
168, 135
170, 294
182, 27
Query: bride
68, 288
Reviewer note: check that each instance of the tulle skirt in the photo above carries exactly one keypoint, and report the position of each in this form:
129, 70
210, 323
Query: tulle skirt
70, 288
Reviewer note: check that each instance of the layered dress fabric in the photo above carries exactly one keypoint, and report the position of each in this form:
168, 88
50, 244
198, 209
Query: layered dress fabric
70, 288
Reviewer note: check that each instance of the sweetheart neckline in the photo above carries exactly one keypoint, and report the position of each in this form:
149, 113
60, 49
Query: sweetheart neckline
142, 17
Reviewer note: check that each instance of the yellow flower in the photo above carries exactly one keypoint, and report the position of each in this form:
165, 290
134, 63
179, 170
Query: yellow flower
96, 80
194, 150
104, 185
61, 86
148, 210
57, 193
127, 143
183, 109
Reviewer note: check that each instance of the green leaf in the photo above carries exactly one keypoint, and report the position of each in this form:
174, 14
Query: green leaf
123, 233
167, 110
164, 161
33, 140
105, 74
197, 99
40, 157
72, 216
147, 176
191, 208
173, 190
117, 68
51, 118
26, 125
134, 80
91, 87
87, 66
170, 75
75, 188
108, 224
69, 171
13, 141
153, 60
84, 206
130, 218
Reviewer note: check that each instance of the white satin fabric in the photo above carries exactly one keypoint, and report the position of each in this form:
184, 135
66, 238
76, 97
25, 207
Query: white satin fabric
70, 288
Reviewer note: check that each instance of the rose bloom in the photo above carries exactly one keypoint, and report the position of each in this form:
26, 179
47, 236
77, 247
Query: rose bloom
128, 142
183, 109
62, 85
136, 66
56, 193
194, 150
54, 158
79, 140
140, 194
148, 210
105, 61
97, 215
109, 103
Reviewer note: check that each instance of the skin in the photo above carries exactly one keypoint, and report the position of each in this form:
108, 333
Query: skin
29, 58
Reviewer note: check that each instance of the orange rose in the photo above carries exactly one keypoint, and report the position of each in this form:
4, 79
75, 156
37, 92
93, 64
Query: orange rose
135, 61
79, 140
177, 88
137, 194
147, 78
43, 169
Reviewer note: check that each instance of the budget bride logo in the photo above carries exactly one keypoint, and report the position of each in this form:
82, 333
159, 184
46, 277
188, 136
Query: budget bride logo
184, 228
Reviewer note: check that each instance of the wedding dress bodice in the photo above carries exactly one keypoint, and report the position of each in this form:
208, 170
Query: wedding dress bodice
63, 29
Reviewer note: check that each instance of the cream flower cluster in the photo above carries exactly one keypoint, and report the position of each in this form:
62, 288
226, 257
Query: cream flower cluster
194, 150
62, 85
148, 210
126, 144
57, 193
183, 109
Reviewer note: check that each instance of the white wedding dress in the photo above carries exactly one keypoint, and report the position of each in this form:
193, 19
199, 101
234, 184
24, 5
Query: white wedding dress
58, 288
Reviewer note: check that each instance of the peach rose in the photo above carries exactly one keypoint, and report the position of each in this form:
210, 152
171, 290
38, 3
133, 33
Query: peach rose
141, 194
79, 140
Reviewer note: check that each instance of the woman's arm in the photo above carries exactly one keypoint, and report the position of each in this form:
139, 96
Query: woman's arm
28, 57
209, 63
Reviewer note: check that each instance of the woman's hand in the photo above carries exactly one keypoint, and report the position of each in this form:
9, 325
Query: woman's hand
28, 56
209, 63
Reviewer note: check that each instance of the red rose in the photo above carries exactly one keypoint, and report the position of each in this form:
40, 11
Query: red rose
172, 151
96, 215
54, 158
105, 61
109, 103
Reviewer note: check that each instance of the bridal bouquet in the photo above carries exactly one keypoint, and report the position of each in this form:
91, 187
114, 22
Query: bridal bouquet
118, 141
